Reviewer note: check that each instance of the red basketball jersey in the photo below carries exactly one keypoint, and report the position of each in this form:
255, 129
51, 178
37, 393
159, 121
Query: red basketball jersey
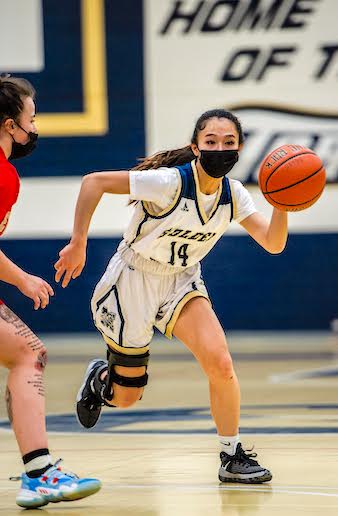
9, 189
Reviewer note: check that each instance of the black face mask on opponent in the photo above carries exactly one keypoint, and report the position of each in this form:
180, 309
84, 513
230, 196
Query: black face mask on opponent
20, 150
218, 163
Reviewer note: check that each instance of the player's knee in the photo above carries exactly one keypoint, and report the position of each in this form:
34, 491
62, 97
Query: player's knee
36, 360
219, 366
126, 397
41, 360
29, 358
126, 378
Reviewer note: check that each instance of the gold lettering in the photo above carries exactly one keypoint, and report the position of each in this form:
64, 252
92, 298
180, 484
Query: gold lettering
186, 234
165, 232
196, 236
176, 232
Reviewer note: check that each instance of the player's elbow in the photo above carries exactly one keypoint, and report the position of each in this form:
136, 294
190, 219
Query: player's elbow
90, 177
276, 248
92, 182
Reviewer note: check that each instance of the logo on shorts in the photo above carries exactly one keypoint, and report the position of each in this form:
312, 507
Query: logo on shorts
107, 318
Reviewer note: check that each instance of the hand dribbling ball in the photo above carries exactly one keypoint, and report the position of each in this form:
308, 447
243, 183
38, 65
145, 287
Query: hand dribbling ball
292, 177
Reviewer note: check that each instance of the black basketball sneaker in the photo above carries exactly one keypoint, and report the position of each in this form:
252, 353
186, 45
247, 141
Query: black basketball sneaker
89, 402
242, 467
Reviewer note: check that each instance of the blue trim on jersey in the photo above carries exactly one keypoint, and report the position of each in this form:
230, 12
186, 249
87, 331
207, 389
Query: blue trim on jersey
119, 309
138, 231
226, 197
189, 191
232, 205
188, 183
189, 186
226, 192
173, 207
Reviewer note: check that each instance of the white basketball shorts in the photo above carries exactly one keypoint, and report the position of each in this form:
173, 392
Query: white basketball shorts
129, 302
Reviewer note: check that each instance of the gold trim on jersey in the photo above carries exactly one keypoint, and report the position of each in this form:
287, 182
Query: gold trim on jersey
199, 201
233, 200
178, 308
125, 351
147, 205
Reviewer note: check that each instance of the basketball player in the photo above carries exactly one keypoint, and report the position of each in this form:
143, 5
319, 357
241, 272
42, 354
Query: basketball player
184, 203
20, 350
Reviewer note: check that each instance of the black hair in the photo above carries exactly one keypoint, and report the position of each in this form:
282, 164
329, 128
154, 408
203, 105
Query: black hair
13, 90
172, 158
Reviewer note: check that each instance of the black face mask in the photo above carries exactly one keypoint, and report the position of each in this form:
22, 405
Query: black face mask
20, 150
218, 163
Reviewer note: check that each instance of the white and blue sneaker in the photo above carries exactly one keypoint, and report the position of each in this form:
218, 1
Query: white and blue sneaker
54, 486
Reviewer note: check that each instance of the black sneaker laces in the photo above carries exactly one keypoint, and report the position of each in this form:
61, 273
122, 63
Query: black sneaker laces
241, 456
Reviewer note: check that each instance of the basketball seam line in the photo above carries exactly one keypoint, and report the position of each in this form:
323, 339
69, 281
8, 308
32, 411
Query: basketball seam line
291, 157
300, 203
295, 184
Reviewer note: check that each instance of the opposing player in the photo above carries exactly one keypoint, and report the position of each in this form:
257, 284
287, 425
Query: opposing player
184, 202
20, 350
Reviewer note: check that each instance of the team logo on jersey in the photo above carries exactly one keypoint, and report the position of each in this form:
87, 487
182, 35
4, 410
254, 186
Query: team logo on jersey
185, 207
187, 233
107, 318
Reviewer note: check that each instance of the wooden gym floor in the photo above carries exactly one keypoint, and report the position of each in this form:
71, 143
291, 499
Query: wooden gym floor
161, 457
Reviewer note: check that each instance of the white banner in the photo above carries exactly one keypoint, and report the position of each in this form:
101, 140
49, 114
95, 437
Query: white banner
273, 62
21, 36
56, 198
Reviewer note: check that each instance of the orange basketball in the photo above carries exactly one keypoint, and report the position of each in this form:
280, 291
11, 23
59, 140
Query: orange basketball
292, 177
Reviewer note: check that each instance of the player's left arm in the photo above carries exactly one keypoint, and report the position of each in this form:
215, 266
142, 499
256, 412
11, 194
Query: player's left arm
272, 236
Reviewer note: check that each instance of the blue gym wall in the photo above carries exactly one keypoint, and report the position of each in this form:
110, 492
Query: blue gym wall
250, 289
59, 89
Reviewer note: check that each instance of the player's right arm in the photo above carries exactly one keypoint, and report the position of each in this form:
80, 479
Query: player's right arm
73, 256
149, 185
92, 188
33, 287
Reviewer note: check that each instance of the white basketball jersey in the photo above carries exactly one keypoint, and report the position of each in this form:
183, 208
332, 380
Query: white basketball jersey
182, 234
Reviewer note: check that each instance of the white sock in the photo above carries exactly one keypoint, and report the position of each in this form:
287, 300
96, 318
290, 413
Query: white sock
229, 443
38, 463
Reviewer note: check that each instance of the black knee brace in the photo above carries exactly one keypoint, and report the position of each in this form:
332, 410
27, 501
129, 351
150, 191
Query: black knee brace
115, 358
